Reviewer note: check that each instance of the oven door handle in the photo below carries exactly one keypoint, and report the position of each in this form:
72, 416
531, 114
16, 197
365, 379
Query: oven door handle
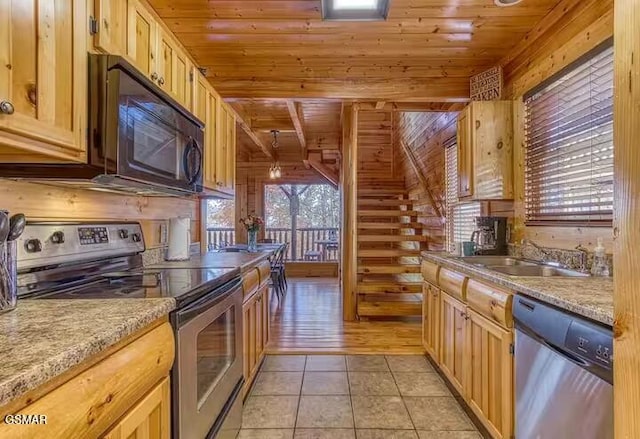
184, 315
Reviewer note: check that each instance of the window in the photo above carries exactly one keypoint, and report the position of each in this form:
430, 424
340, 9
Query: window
460, 216
221, 223
569, 145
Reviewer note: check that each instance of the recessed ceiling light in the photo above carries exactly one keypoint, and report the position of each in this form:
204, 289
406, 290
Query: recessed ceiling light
504, 3
355, 10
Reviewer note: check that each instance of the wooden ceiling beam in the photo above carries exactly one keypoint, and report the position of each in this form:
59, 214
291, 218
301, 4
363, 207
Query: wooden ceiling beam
434, 90
241, 120
296, 119
413, 106
331, 175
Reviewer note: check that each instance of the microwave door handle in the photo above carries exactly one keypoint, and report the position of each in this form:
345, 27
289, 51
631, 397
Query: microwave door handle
198, 162
185, 161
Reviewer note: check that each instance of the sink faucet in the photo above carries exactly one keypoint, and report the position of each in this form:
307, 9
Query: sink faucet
584, 254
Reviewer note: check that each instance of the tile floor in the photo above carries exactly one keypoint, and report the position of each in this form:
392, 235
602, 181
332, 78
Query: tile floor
352, 397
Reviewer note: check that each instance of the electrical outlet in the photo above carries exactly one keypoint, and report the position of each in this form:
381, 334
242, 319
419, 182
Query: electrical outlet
163, 233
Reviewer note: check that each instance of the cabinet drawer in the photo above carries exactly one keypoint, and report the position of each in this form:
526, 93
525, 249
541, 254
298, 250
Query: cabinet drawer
430, 272
250, 282
490, 301
453, 283
264, 268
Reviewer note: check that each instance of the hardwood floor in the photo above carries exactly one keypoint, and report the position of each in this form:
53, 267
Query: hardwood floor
309, 320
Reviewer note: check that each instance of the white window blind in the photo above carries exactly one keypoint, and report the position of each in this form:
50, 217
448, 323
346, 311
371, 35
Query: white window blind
569, 146
460, 216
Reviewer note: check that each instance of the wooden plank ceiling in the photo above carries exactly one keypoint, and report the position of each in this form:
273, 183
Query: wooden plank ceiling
273, 59
426, 50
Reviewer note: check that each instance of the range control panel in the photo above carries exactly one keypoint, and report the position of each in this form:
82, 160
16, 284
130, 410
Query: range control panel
45, 243
590, 343
93, 235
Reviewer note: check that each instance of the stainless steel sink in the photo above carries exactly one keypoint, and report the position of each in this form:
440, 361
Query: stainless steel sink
495, 261
537, 271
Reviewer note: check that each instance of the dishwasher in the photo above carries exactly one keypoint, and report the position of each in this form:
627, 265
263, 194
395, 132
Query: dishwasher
564, 374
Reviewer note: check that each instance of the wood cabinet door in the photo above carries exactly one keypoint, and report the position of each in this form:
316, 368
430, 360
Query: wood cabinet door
230, 175
489, 389
183, 76
249, 338
149, 418
258, 327
465, 153
111, 18
165, 64
492, 150
431, 319
221, 145
453, 334
142, 39
266, 317
211, 154
43, 78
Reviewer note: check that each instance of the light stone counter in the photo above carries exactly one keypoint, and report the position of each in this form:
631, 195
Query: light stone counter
591, 297
42, 339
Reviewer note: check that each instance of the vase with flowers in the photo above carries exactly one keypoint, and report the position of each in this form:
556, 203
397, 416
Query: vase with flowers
252, 224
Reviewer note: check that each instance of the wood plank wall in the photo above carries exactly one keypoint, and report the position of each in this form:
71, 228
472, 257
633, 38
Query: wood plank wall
425, 134
375, 146
43, 202
569, 31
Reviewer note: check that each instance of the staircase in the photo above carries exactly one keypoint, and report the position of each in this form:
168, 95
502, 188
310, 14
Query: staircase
389, 244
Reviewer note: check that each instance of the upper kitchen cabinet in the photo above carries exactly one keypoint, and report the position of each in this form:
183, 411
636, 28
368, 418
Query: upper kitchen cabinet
226, 149
142, 38
174, 69
110, 26
485, 151
43, 80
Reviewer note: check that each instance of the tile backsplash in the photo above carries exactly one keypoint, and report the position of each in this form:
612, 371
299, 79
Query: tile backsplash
570, 258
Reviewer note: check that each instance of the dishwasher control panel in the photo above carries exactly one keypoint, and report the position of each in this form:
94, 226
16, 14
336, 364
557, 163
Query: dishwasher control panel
591, 343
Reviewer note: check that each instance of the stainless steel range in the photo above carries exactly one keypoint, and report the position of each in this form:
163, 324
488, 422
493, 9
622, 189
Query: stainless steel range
102, 261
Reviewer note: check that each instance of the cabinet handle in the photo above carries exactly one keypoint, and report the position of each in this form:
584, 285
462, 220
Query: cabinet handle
161, 81
6, 107
154, 76
32, 94
477, 124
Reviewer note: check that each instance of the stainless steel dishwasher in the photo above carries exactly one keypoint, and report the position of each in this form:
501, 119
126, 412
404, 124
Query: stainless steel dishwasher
564, 374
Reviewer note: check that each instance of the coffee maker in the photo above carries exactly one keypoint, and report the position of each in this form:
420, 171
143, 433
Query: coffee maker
490, 235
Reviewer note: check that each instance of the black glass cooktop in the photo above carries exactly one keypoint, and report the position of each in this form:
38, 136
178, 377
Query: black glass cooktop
185, 285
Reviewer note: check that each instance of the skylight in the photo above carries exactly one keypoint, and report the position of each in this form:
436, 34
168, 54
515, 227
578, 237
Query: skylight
355, 10
355, 4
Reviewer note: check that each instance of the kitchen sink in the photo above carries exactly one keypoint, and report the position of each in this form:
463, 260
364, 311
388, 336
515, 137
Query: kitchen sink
537, 271
495, 261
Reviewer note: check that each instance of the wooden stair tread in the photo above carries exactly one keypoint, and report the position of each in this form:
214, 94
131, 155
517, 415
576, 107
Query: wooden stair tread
388, 213
389, 269
386, 253
392, 238
384, 202
395, 225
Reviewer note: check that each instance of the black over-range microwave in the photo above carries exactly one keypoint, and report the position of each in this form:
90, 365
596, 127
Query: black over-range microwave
140, 140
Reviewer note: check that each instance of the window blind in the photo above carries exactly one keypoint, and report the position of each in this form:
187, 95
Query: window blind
569, 146
460, 216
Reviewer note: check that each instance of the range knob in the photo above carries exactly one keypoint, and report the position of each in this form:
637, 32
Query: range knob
33, 245
123, 233
57, 237
136, 237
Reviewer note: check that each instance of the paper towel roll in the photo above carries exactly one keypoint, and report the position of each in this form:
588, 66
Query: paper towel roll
179, 239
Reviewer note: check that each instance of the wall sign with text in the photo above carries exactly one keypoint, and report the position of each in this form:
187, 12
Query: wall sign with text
487, 86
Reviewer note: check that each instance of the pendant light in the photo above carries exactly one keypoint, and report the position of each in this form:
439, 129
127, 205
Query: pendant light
275, 171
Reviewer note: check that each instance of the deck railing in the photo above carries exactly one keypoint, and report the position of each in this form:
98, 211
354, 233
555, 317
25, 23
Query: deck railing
306, 241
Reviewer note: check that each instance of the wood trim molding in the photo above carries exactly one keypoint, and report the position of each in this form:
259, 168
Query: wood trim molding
626, 277
421, 178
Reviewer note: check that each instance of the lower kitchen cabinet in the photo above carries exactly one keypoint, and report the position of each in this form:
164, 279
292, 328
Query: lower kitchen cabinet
431, 320
453, 335
489, 389
150, 418
472, 343
255, 333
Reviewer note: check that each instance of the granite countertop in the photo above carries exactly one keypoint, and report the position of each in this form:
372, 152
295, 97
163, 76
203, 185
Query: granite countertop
42, 339
591, 297
242, 260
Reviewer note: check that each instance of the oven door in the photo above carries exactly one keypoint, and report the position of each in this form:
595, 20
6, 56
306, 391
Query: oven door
158, 141
209, 359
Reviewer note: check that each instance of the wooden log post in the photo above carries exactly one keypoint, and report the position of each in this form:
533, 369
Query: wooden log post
349, 207
626, 219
